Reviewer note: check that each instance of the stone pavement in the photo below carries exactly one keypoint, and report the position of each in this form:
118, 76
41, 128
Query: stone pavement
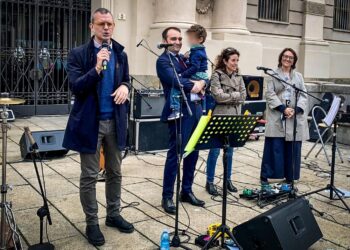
142, 183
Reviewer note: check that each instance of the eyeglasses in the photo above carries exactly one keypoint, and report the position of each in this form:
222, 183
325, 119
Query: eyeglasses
288, 57
109, 25
175, 38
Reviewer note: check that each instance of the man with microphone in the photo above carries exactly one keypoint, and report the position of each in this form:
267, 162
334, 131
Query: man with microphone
172, 39
98, 74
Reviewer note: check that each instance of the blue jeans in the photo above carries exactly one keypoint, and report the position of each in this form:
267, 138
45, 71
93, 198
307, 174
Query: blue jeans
174, 99
211, 163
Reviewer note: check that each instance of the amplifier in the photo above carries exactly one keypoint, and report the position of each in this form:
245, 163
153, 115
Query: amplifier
148, 103
254, 86
148, 134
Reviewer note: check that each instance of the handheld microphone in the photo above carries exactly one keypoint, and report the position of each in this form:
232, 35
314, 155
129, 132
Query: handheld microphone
139, 43
32, 142
262, 68
164, 45
105, 62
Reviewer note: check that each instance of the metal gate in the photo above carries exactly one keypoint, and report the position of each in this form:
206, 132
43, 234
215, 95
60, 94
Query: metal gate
35, 38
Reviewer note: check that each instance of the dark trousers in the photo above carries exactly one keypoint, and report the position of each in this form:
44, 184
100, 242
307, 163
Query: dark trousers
277, 159
188, 124
89, 172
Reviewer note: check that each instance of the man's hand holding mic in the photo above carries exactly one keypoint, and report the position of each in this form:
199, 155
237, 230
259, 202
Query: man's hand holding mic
102, 55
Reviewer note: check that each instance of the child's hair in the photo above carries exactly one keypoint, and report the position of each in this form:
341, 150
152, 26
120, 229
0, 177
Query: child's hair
199, 31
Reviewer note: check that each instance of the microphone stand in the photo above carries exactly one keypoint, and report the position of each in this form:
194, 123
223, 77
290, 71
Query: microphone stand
297, 92
176, 242
132, 102
44, 210
147, 48
138, 92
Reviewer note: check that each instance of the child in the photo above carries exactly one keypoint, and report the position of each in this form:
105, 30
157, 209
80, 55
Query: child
197, 66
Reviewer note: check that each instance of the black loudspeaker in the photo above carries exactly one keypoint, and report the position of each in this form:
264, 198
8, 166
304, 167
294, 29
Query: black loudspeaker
254, 107
49, 143
148, 103
254, 86
148, 134
290, 226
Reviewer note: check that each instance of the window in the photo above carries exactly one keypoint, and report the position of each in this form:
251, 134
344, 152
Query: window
274, 10
341, 18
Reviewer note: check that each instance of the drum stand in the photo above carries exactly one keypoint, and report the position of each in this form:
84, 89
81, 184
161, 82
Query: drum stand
6, 212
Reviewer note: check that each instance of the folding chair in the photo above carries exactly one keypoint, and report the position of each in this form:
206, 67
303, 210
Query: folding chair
327, 125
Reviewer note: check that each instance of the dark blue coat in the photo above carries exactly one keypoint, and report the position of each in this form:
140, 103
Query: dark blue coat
168, 79
198, 62
83, 123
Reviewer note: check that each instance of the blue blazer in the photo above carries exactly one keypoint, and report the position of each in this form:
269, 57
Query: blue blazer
168, 80
83, 123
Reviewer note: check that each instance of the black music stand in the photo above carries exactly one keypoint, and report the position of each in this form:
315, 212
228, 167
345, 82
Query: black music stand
332, 118
223, 131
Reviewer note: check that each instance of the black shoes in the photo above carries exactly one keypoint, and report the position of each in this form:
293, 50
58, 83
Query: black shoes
190, 198
168, 206
211, 189
230, 187
264, 181
94, 235
119, 223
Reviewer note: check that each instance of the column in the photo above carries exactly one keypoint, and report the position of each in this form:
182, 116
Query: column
179, 13
314, 51
229, 17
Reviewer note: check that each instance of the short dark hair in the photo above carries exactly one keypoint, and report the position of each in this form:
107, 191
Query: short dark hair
225, 55
101, 11
281, 55
199, 31
165, 32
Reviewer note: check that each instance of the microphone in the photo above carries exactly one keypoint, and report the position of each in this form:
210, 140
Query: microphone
32, 142
164, 45
262, 68
139, 43
105, 62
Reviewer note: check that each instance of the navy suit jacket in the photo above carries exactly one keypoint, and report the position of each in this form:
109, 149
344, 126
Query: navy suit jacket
83, 123
168, 80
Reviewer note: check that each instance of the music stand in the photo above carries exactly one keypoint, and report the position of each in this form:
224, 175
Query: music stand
332, 117
222, 131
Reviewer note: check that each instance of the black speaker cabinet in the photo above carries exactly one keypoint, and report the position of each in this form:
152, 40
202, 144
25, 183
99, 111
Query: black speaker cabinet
254, 86
254, 107
49, 143
290, 226
148, 103
148, 134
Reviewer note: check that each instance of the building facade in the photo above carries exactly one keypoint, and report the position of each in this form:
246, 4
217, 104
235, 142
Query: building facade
319, 30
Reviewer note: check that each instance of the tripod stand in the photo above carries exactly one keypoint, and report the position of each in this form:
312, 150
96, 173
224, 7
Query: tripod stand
223, 229
44, 210
221, 131
6, 212
331, 187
